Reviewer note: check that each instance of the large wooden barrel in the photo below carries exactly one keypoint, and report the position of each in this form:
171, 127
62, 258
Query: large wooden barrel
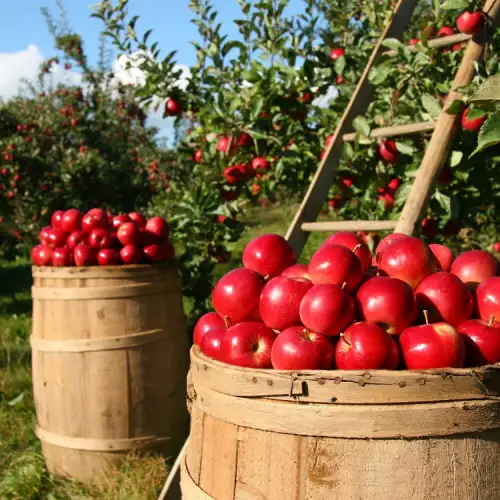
346, 435
110, 358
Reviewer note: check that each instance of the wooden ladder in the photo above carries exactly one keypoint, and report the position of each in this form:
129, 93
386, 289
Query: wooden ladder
444, 131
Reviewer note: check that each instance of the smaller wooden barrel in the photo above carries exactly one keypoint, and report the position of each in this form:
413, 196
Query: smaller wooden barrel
349, 435
110, 358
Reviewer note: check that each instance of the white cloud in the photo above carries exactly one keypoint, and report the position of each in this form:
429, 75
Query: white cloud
325, 100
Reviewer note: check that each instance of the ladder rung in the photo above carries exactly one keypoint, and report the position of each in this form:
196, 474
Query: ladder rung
350, 225
437, 43
410, 128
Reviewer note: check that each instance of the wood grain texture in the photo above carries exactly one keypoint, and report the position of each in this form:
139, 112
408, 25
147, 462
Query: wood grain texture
395, 130
256, 446
350, 225
108, 369
361, 98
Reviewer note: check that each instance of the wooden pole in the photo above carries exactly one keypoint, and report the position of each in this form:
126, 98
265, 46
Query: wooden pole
436, 43
324, 176
444, 134
408, 129
350, 225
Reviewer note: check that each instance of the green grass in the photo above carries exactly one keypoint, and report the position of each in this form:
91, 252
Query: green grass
22, 470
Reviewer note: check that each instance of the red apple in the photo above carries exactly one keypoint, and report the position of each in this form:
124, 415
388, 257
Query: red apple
335, 265
366, 346
472, 125
354, 243
223, 144
296, 271
131, 254
62, 257
268, 255
488, 298
44, 235
437, 345
235, 174
212, 342
327, 309
236, 295
128, 233
413, 41
260, 163
207, 322
474, 267
198, 156
445, 298
445, 31
77, 238
85, 255
158, 252
470, 22
482, 341
296, 348
71, 221
337, 53
496, 246
388, 302
100, 238
157, 226
41, 255
173, 107
138, 218
408, 259
108, 257
118, 220
444, 256
147, 238
280, 301
389, 240
248, 344
57, 218
93, 219
56, 238
389, 152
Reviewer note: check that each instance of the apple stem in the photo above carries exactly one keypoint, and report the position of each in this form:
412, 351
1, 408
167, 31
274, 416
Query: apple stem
226, 321
492, 319
344, 284
426, 316
357, 247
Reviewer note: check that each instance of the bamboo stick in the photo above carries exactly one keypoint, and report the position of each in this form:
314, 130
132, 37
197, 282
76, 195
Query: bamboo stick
442, 139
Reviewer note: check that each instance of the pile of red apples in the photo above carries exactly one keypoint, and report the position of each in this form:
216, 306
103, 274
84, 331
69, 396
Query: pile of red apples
410, 306
99, 238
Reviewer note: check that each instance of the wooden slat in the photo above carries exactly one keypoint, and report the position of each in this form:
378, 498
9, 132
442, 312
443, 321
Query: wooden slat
446, 129
395, 130
350, 225
323, 178
437, 43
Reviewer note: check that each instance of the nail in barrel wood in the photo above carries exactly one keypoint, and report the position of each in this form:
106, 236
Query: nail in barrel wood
110, 358
350, 435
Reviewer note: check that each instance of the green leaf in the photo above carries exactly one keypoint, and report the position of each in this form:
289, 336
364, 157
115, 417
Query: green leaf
454, 108
456, 158
16, 400
431, 105
380, 73
489, 135
444, 201
257, 106
488, 91
476, 113
361, 125
455, 4
340, 65
392, 43
404, 148
251, 76
232, 45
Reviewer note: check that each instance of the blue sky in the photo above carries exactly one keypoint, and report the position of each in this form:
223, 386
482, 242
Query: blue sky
25, 40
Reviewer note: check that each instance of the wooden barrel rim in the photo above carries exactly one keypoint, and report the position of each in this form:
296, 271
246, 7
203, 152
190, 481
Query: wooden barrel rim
345, 386
190, 490
98, 344
92, 444
108, 272
353, 421
102, 292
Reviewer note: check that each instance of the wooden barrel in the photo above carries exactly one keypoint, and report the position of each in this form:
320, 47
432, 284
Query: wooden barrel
346, 435
110, 358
